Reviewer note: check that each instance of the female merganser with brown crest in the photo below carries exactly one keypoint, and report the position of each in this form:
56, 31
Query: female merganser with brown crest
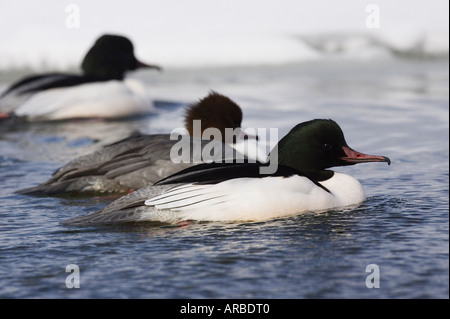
142, 160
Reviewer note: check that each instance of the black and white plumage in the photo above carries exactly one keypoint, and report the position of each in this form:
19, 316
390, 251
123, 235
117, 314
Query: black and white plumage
100, 91
240, 192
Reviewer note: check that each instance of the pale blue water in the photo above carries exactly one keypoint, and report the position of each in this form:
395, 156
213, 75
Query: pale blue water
396, 108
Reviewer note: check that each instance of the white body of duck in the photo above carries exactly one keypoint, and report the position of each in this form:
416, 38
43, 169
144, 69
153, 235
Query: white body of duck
249, 199
106, 99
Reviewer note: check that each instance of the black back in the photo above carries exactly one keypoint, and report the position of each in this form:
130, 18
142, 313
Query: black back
213, 173
48, 81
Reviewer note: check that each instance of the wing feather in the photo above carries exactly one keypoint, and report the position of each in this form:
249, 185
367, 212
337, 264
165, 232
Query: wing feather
186, 196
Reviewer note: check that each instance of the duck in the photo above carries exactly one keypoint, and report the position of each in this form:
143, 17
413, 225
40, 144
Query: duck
101, 91
140, 160
245, 192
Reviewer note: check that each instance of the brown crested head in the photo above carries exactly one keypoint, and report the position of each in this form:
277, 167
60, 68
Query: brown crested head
214, 111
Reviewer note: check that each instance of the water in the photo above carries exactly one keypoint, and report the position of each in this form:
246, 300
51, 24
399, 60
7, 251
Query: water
393, 107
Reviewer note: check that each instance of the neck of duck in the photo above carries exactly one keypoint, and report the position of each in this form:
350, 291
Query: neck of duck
304, 165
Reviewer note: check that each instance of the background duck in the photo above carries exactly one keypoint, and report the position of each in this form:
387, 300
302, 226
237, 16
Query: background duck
101, 91
142, 160
239, 192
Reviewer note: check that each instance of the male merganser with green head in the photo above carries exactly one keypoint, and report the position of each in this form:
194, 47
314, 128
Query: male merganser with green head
101, 91
240, 192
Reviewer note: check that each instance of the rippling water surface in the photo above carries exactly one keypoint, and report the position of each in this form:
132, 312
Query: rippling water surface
395, 108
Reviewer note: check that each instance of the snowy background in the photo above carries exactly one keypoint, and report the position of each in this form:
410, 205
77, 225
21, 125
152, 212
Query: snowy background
54, 34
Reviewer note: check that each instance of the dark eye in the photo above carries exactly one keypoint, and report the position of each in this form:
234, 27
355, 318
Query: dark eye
327, 147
